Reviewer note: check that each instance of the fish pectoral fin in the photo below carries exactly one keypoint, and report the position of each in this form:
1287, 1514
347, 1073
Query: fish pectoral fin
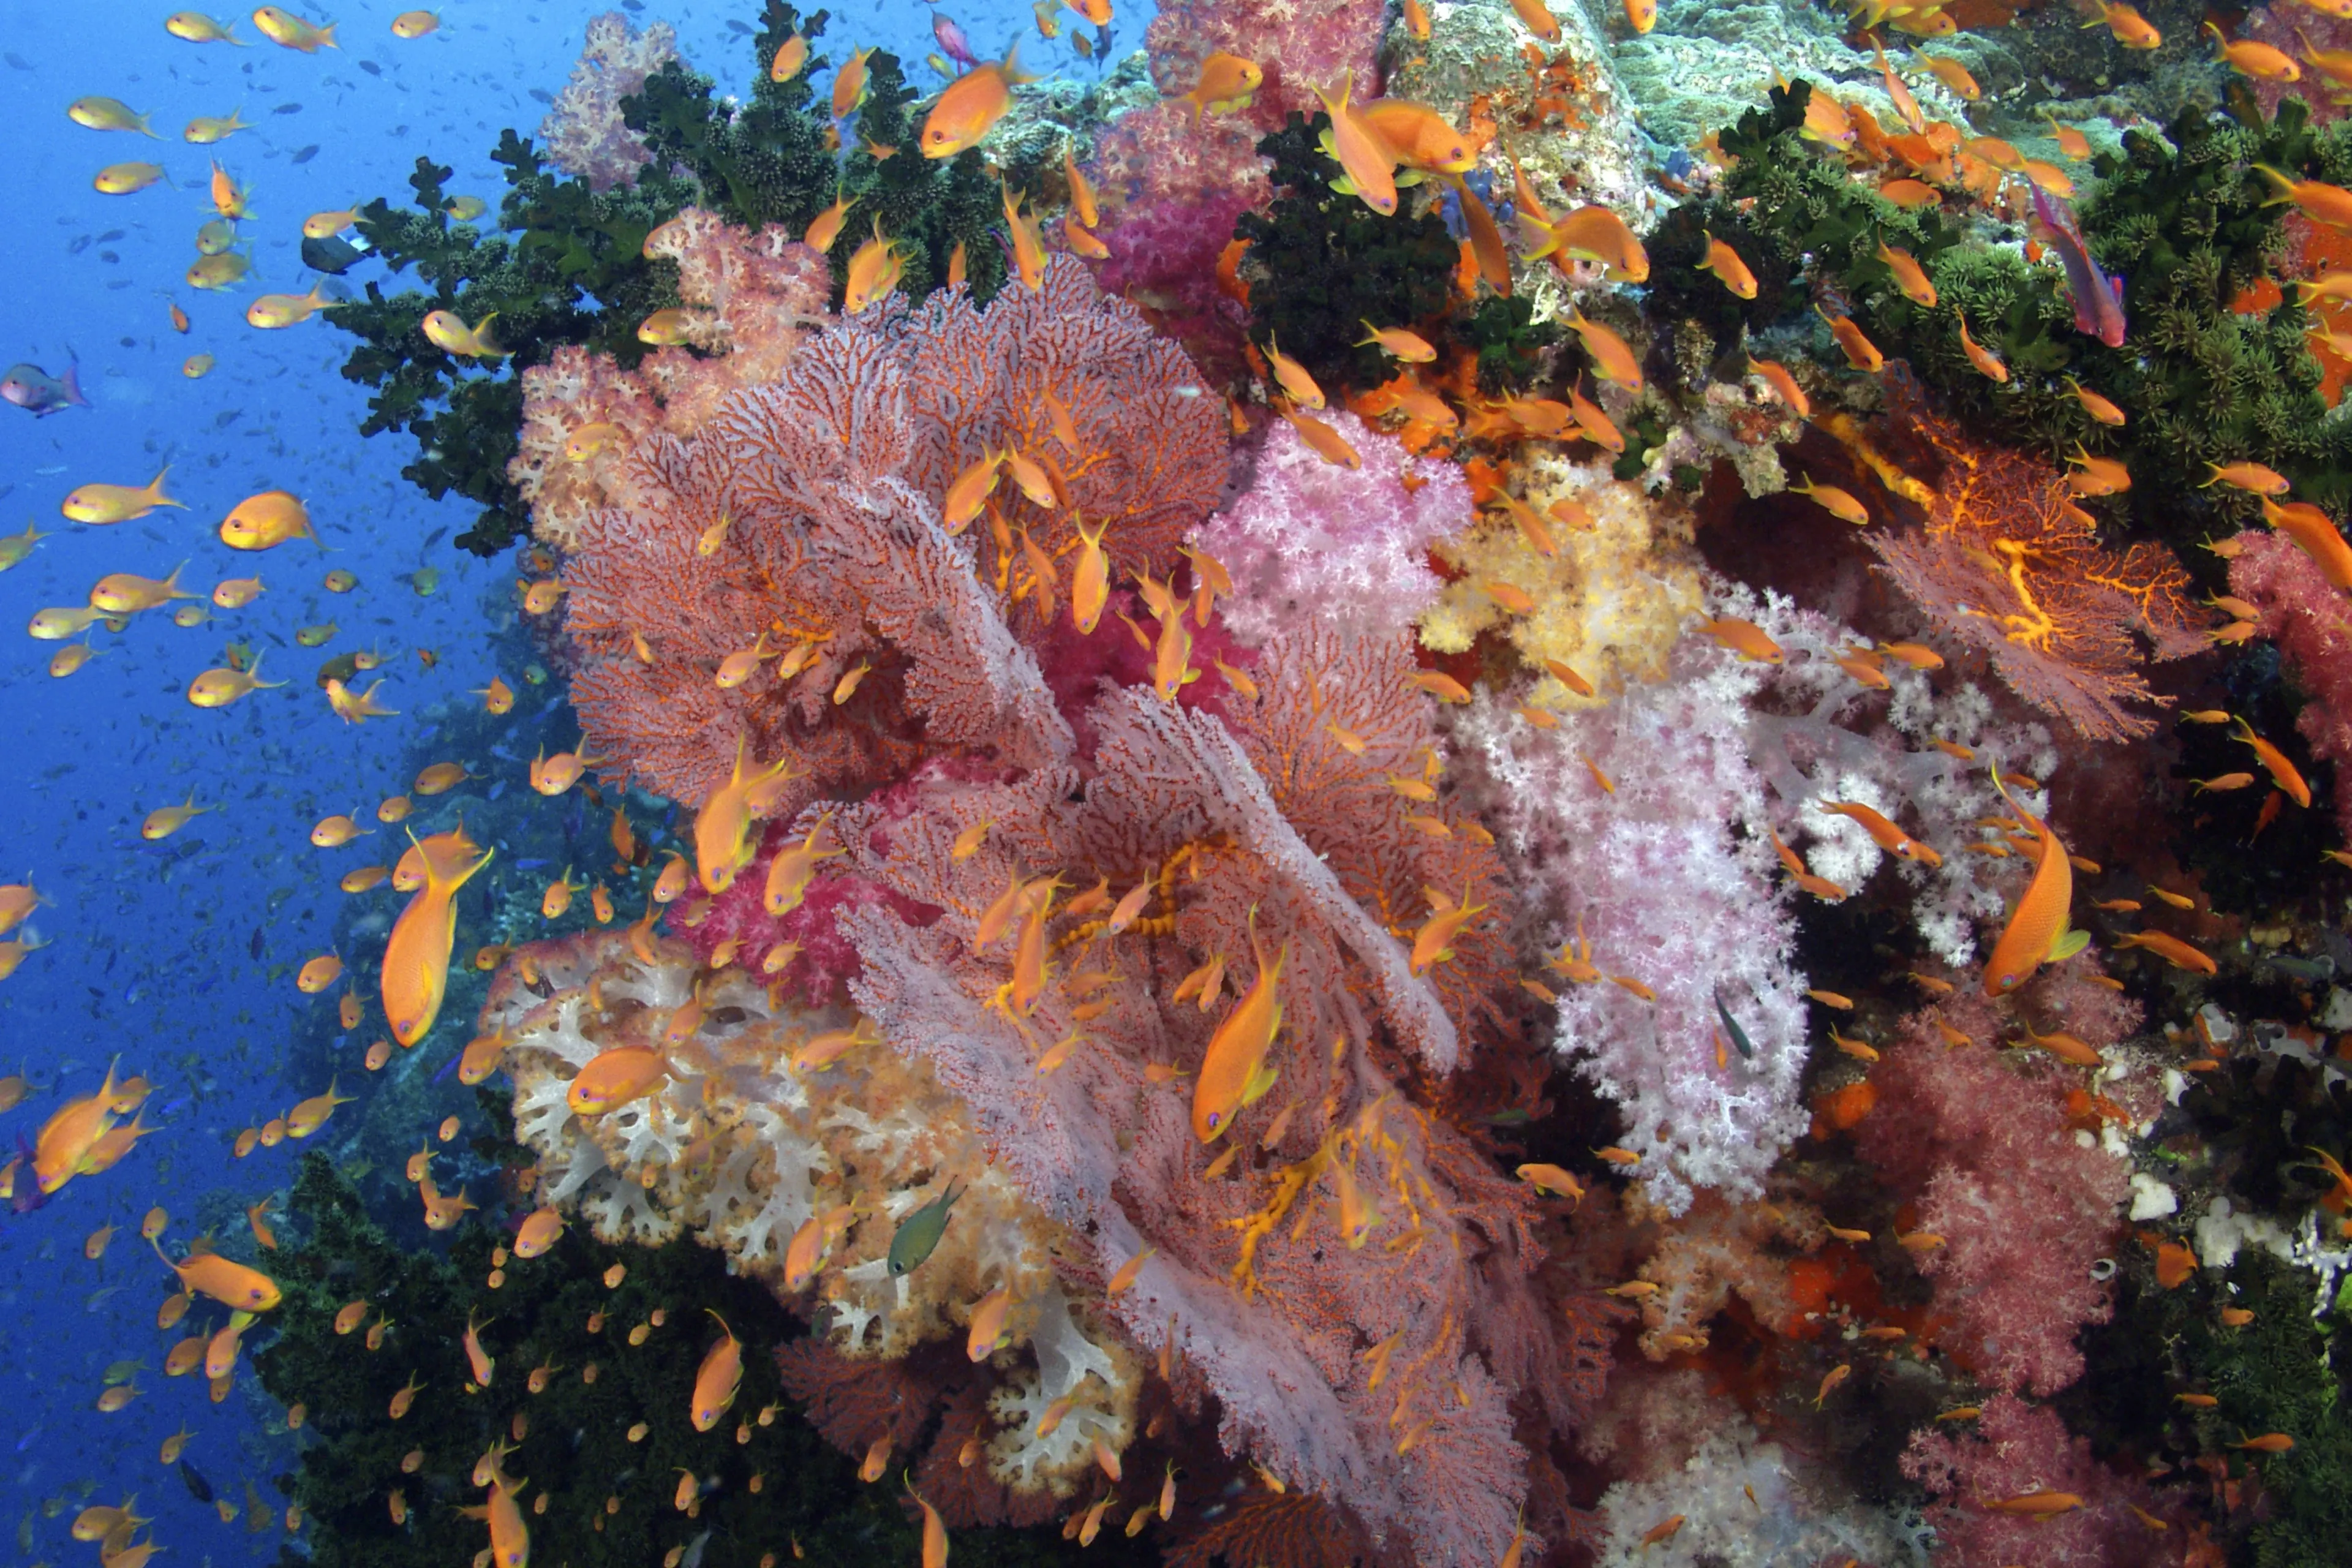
1261, 1080
2068, 943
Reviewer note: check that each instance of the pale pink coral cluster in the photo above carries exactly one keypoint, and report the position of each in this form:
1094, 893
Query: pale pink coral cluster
583, 134
1312, 541
1985, 1147
752, 300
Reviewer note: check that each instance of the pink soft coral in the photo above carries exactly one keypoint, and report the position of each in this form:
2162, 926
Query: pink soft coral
2307, 617
1310, 541
1983, 1147
2016, 1450
582, 133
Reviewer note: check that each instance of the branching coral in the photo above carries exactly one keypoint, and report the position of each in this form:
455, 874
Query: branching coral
753, 298
1263, 820
2016, 1450
744, 1149
1642, 827
1173, 181
2009, 566
819, 496
582, 133
574, 274
1609, 603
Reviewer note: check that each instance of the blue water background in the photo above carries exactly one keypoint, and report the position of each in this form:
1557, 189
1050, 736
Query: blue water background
152, 947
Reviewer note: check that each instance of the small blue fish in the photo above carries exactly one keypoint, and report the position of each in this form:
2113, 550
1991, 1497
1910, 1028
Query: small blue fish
2098, 297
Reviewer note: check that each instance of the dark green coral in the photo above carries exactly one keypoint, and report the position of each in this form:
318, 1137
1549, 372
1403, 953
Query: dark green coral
767, 162
566, 266
575, 1451
2181, 216
572, 273
1321, 264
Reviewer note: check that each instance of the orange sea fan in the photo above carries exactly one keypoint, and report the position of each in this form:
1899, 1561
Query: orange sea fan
2001, 566
1151, 443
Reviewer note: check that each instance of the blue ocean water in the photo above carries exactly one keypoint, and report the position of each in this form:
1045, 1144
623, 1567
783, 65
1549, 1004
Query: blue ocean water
179, 956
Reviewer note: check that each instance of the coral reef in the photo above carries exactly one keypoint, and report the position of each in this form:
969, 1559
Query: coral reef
575, 276
752, 300
1986, 1157
572, 1386
2007, 564
1321, 264
2305, 616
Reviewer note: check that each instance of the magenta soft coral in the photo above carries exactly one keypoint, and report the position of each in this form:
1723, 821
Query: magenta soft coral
2306, 617
1982, 1146
2016, 1450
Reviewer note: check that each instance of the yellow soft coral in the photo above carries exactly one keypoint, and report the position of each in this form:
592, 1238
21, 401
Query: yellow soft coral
1608, 604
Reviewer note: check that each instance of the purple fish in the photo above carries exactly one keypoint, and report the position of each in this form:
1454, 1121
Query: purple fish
951, 39
2099, 298
28, 386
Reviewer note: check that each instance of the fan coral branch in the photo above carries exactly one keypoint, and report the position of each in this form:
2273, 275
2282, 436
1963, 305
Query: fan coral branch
2009, 566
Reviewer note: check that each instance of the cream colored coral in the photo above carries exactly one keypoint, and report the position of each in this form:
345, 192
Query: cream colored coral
742, 1148
1608, 604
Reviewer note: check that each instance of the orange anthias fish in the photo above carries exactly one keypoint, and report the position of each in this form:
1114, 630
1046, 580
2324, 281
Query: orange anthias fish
1433, 942
2037, 933
971, 107
64, 1142
265, 521
720, 1376
722, 828
1227, 84
1366, 159
1234, 1071
416, 958
612, 1079
233, 1285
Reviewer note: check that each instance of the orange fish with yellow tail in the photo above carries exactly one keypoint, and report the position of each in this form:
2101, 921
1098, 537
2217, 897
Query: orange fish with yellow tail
1234, 1071
2037, 933
416, 958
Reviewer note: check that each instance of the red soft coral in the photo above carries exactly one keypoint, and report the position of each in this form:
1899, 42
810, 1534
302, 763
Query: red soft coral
2017, 1450
1982, 1146
2312, 623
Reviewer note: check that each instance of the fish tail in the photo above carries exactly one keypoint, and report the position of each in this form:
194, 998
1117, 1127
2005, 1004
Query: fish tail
72, 379
2279, 183
327, 36
155, 490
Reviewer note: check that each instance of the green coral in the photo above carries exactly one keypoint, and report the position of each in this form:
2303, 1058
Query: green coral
568, 268
2181, 216
1321, 264
573, 273
575, 1450
1507, 339
2280, 1372
768, 162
